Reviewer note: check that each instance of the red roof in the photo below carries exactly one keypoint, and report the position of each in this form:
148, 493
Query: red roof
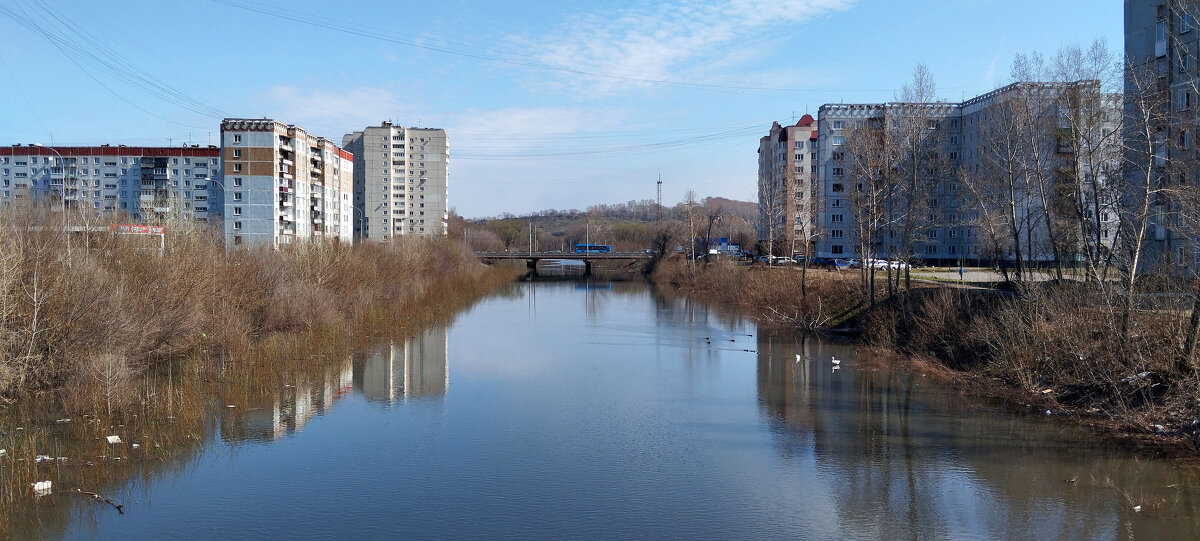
813, 135
806, 120
201, 152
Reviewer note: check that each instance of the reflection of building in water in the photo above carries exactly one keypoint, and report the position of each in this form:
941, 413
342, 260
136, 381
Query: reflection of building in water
413, 369
271, 416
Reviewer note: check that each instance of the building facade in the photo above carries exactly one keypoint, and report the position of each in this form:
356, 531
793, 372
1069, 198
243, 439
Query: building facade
400, 181
787, 182
284, 185
152, 184
1162, 81
946, 223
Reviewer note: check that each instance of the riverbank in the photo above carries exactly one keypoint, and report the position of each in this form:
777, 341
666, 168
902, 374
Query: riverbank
90, 311
1048, 346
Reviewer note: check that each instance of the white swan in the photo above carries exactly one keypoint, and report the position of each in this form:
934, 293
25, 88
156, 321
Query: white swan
797, 357
836, 361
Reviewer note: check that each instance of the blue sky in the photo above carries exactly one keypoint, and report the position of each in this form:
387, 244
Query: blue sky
547, 104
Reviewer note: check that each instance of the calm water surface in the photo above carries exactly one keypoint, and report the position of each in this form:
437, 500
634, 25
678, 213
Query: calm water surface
605, 411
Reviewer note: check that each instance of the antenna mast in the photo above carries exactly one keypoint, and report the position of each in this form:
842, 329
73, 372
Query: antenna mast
658, 208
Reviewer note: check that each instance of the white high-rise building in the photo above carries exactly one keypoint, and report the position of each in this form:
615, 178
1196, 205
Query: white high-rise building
400, 181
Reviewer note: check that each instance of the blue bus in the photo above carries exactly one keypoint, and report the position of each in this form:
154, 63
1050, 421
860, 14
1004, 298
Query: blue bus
593, 249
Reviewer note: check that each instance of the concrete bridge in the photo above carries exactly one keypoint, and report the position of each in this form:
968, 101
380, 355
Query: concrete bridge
531, 258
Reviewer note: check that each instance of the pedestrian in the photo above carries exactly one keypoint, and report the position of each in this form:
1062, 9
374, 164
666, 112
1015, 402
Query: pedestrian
961, 272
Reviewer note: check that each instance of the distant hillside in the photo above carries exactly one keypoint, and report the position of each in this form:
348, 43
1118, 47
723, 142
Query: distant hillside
626, 226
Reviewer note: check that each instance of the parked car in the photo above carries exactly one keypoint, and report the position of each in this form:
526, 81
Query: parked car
762, 259
843, 264
799, 258
780, 260
821, 263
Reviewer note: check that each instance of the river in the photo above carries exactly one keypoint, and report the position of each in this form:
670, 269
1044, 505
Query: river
603, 410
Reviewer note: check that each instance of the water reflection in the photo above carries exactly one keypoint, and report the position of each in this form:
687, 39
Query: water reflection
905, 457
273, 415
586, 410
415, 367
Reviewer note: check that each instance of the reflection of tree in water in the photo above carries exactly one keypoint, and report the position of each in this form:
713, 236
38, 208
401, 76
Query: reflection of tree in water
276, 390
906, 458
270, 416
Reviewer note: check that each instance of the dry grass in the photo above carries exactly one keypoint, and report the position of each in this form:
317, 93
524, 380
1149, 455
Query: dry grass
771, 295
70, 304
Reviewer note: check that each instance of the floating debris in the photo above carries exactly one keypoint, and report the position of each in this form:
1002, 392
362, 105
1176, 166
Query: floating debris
42, 458
1137, 509
40, 488
113, 439
135, 446
3, 452
231, 406
65, 420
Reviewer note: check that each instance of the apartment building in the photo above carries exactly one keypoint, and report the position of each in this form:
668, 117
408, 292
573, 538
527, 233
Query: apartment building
787, 174
151, 184
400, 181
283, 185
948, 230
1162, 48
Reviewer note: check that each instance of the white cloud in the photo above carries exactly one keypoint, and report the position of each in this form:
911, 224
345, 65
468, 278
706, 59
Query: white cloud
666, 40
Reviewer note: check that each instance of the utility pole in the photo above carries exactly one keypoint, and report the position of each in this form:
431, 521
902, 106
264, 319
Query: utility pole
530, 238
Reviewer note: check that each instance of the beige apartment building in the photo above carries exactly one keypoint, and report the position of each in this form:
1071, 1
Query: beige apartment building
787, 178
400, 181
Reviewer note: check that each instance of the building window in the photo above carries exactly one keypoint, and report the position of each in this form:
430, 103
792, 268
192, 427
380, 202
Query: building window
931, 249
237, 168
837, 218
837, 234
952, 250
1186, 22
837, 203
237, 225
837, 171
237, 196
237, 211
237, 182
837, 140
837, 249
237, 153
837, 187
837, 124
237, 138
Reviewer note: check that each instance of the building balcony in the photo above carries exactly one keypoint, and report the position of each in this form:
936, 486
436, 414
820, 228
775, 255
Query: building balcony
286, 145
285, 203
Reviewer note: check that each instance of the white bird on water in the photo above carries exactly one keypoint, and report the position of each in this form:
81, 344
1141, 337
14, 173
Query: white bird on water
836, 361
797, 357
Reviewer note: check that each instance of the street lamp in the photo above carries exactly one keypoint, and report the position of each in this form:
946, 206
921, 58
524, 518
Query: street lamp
62, 191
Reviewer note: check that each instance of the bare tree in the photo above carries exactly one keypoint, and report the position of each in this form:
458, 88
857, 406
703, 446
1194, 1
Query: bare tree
869, 189
917, 150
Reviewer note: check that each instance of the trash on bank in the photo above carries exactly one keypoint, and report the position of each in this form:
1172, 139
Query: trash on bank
114, 439
40, 488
